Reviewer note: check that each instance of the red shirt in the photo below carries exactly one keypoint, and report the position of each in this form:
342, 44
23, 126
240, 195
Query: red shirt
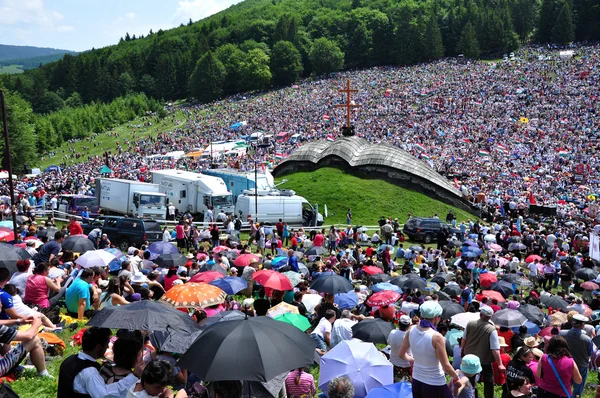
369, 251
319, 239
75, 228
294, 241
500, 377
496, 308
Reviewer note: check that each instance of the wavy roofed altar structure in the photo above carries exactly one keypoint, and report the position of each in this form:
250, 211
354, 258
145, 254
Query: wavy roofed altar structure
357, 156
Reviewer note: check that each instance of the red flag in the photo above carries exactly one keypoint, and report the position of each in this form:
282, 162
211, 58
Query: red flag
531, 198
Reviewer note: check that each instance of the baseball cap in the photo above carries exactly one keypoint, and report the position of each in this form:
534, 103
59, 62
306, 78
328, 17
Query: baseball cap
470, 364
487, 311
405, 320
430, 309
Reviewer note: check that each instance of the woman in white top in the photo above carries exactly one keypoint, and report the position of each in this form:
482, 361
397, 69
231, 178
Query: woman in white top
429, 366
24, 310
112, 297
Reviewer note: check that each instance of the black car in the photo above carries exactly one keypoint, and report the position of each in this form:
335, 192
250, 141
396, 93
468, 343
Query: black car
124, 232
426, 229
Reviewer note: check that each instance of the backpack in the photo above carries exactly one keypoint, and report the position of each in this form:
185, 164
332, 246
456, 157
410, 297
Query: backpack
238, 224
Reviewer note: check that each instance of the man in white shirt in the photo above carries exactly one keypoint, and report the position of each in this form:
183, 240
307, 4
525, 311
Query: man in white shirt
322, 333
80, 374
342, 328
395, 338
408, 306
171, 211
533, 271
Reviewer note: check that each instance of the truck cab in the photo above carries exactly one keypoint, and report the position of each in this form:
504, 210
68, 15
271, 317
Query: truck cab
150, 204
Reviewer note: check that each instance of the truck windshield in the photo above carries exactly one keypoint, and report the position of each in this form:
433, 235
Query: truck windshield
152, 200
222, 201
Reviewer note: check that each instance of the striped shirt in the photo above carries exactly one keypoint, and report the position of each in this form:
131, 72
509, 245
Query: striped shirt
305, 389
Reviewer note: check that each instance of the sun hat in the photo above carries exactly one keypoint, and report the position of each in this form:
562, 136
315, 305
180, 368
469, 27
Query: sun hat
487, 311
430, 309
470, 364
531, 342
502, 342
247, 302
177, 282
537, 352
139, 277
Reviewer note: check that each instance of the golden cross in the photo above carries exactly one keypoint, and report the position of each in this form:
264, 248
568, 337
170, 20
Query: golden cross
348, 105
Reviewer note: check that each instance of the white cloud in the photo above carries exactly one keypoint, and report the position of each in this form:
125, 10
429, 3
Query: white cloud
198, 9
27, 12
130, 15
65, 28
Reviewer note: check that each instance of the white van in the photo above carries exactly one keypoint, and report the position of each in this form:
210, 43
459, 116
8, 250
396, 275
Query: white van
275, 205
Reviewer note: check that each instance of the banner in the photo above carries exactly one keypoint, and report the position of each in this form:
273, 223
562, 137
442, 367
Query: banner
594, 246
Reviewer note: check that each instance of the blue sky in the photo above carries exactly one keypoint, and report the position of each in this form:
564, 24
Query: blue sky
82, 24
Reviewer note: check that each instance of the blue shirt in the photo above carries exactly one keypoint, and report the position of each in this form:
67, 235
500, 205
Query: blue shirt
85, 214
79, 289
7, 303
293, 263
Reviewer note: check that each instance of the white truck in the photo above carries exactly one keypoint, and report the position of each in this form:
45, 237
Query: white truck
274, 205
194, 192
131, 198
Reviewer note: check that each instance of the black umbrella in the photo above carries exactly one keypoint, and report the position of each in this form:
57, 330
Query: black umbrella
415, 248
452, 290
169, 260
378, 278
220, 317
23, 219
372, 331
399, 280
503, 287
440, 279
78, 244
213, 267
509, 318
268, 348
22, 253
554, 302
174, 340
144, 315
533, 313
315, 251
450, 308
587, 274
331, 284
413, 284
48, 232
8, 260
443, 296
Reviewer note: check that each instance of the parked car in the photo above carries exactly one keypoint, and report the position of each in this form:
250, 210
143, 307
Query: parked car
124, 232
75, 204
426, 229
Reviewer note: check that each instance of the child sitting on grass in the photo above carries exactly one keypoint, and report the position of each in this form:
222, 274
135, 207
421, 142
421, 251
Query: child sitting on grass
470, 367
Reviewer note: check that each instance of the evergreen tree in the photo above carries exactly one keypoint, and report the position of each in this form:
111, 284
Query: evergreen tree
286, 63
563, 31
468, 45
325, 56
546, 21
21, 132
206, 82
433, 47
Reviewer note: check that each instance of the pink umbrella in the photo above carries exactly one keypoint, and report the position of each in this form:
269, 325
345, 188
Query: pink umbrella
220, 249
502, 261
495, 247
589, 285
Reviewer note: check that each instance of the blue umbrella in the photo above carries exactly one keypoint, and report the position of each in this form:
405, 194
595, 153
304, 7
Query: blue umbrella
473, 236
469, 254
279, 262
475, 250
115, 265
470, 243
453, 335
402, 389
385, 286
162, 248
532, 328
230, 284
6, 224
235, 126
346, 300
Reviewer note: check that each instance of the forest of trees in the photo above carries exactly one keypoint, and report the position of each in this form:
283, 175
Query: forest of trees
258, 44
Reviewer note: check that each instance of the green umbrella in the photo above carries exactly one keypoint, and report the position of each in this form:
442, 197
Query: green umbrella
297, 320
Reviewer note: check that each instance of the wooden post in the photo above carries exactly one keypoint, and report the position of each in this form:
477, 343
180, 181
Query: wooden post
348, 105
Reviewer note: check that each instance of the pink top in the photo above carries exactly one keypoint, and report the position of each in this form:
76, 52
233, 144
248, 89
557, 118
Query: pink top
179, 233
305, 387
169, 281
548, 382
36, 291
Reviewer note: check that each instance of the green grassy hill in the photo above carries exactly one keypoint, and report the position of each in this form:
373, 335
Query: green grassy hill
368, 199
11, 69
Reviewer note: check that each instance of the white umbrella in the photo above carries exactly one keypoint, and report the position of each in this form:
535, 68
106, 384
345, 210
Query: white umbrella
310, 301
490, 238
92, 258
463, 319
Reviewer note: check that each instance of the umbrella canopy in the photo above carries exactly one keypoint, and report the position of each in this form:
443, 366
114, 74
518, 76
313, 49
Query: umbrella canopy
194, 295
554, 302
558, 318
162, 248
385, 297
331, 284
378, 278
450, 308
230, 284
346, 300
206, 276
244, 260
403, 389
385, 286
310, 301
509, 318
361, 362
587, 274
372, 330
503, 287
315, 251
414, 284
589, 286
49, 233
532, 257
282, 308
487, 279
268, 347
169, 260
219, 249
92, 258
299, 321
516, 246
294, 277
115, 264
9, 258
6, 234
399, 280
452, 290
532, 313
517, 280
77, 244
492, 294
174, 340
453, 335
372, 270
415, 248
532, 328
216, 267
440, 279
21, 253
145, 315
463, 319
494, 246
273, 279
221, 317
443, 296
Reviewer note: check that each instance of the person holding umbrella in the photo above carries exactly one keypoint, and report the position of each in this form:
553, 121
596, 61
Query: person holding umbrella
432, 362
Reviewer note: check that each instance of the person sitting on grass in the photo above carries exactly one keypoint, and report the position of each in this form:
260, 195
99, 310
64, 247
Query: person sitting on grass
78, 296
127, 351
156, 378
28, 343
26, 311
38, 285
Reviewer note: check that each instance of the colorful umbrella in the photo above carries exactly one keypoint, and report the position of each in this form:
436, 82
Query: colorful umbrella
230, 284
294, 277
297, 320
245, 259
194, 295
558, 318
273, 280
282, 308
6, 234
219, 249
589, 286
346, 300
206, 277
115, 265
93, 258
532, 328
378, 287
491, 294
403, 389
494, 246
532, 257
372, 270
162, 248
385, 297
487, 279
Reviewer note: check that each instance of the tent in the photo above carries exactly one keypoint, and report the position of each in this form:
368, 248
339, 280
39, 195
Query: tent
105, 170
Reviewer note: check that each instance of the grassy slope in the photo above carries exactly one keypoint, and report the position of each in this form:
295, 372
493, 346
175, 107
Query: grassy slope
368, 199
11, 69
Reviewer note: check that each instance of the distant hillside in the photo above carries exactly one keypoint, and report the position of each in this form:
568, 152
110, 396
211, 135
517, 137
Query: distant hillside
8, 52
34, 62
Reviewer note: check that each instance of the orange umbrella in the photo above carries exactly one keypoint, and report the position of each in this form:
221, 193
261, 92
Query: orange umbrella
492, 294
194, 295
487, 279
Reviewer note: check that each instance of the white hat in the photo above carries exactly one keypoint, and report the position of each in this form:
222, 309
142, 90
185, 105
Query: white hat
247, 302
177, 282
580, 318
138, 278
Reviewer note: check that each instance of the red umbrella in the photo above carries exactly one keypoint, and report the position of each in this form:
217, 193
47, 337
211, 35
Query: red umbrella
273, 279
384, 297
245, 259
206, 277
487, 279
372, 270
589, 285
532, 257
220, 249
6, 234
546, 331
492, 294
